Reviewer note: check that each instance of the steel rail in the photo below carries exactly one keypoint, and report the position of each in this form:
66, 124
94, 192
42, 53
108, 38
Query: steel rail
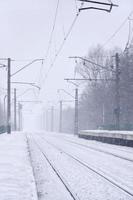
72, 194
101, 174
98, 150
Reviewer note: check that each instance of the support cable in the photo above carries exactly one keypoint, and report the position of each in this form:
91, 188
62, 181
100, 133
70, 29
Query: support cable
53, 28
50, 39
76, 6
117, 31
63, 43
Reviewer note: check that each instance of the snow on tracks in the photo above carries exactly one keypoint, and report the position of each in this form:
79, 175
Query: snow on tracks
50, 183
113, 152
85, 183
117, 170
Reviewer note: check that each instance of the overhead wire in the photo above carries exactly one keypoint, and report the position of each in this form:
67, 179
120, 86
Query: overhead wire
117, 31
63, 42
53, 28
50, 39
129, 35
69, 31
76, 6
40, 72
110, 1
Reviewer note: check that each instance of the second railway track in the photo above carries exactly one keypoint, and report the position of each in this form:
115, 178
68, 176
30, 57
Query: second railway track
94, 170
98, 150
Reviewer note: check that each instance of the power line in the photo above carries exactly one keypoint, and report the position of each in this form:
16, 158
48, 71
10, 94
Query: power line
129, 34
53, 28
76, 6
117, 31
68, 33
40, 72
51, 38
29, 89
63, 42
25, 66
91, 62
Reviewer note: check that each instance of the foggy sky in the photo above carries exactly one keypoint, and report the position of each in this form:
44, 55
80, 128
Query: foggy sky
25, 28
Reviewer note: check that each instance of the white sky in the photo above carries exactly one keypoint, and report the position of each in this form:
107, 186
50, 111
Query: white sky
25, 28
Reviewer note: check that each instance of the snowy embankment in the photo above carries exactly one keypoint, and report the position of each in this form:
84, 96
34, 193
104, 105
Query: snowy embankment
16, 175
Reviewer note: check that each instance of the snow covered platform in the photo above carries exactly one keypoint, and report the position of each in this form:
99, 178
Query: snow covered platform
16, 175
113, 137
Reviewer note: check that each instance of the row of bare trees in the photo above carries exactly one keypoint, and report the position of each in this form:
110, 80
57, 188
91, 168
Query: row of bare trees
2, 120
97, 103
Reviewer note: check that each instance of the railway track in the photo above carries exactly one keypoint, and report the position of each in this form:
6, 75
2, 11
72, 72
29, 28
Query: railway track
61, 178
98, 150
93, 169
110, 146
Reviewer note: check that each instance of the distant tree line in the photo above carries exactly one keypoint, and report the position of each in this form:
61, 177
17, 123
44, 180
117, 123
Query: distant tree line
97, 103
2, 120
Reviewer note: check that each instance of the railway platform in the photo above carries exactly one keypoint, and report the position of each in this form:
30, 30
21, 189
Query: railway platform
124, 138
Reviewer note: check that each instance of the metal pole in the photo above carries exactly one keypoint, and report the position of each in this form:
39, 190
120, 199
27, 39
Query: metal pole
5, 115
9, 96
19, 117
60, 119
47, 121
43, 120
117, 109
15, 119
52, 118
76, 113
103, 115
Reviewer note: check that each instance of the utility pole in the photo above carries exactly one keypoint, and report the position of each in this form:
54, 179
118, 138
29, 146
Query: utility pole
76, 120
76, 113
9, 96
15, 105
5, 114
117, 85
47, 121
43, 120
19, 116
60, 120
52, 118
117, 109
103, 115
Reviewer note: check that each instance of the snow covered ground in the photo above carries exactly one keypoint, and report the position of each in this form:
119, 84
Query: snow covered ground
85, 183
52, 166
16, 176
49, 186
